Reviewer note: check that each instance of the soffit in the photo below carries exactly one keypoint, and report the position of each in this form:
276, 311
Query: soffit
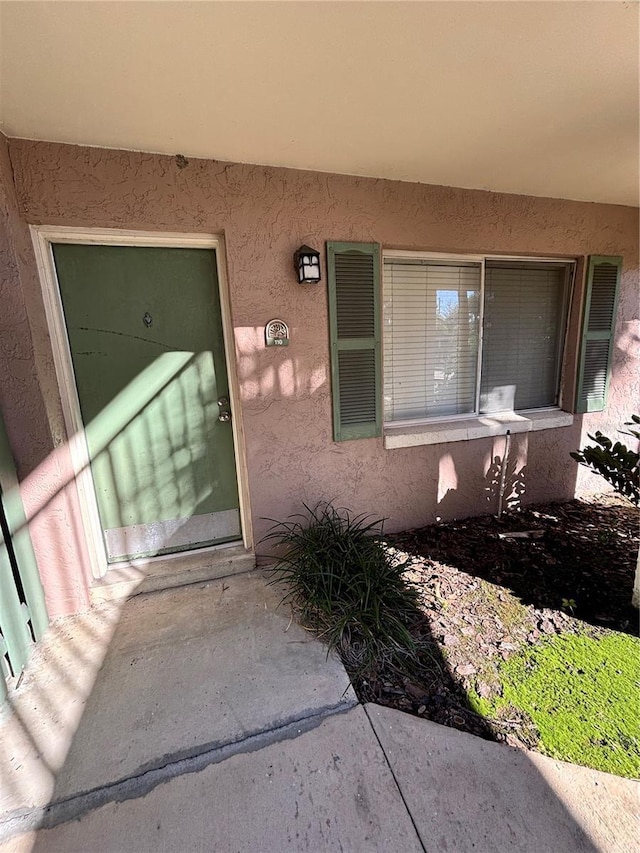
538, 98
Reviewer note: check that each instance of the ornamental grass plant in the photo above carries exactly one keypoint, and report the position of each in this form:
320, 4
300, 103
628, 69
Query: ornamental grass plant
343, 584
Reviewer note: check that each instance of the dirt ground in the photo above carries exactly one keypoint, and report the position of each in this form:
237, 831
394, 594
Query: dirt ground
485, 595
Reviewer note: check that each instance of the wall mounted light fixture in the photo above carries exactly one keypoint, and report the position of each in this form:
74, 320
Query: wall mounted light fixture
307, 265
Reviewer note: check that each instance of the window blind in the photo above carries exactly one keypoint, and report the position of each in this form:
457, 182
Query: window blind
431, 322
523, 323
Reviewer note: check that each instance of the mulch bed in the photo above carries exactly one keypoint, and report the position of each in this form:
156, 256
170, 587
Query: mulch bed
483, 598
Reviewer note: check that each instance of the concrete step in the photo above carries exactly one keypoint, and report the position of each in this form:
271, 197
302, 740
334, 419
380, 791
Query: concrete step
172, 570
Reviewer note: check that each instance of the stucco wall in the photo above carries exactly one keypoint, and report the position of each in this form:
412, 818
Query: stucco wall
33, 423
264, 214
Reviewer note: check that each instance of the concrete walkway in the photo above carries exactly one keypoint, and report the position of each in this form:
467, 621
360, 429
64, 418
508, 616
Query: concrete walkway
202, 719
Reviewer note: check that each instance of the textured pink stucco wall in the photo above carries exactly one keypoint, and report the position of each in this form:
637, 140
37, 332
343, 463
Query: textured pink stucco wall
264, 214
43, 465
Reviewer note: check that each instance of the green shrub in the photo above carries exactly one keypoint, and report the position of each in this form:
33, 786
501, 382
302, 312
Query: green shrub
344, 585
615, 462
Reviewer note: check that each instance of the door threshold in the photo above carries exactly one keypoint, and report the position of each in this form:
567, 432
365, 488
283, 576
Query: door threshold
150, 574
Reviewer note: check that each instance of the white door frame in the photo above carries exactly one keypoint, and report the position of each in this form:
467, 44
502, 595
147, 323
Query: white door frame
43, 236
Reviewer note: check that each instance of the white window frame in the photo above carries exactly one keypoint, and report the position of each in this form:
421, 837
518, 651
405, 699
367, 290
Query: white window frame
465, 426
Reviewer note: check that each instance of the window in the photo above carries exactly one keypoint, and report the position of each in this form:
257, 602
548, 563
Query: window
470, 337
463, 337
431, 323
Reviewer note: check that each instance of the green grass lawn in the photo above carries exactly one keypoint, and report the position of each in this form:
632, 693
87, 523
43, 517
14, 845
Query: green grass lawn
581, 692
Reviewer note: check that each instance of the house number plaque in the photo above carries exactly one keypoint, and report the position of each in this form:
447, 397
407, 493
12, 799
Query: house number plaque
276, 333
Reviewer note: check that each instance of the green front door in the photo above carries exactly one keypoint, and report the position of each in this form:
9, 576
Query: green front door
145, 334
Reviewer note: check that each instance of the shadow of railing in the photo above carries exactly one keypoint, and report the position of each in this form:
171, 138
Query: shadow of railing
45, 706
40, 718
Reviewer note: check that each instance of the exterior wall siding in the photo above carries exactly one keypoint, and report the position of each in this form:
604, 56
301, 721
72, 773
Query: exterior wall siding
30, 405
265, 214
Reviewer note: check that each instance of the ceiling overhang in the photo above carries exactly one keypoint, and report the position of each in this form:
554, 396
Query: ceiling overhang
539, 98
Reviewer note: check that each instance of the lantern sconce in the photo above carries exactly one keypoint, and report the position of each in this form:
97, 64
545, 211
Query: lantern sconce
307, 265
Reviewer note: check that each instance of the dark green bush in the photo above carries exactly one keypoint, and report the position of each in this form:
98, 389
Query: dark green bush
343, 584
615, 461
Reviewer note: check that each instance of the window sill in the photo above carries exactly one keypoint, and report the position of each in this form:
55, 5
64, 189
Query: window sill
482, 427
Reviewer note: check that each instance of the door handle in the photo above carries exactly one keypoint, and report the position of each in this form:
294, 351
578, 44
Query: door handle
225, 417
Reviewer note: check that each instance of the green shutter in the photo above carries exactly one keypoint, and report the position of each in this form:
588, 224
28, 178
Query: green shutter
354, 326
598, 325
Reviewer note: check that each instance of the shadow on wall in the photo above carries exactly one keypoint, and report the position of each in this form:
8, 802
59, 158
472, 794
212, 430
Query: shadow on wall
504, 472
504, 482
461, 480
